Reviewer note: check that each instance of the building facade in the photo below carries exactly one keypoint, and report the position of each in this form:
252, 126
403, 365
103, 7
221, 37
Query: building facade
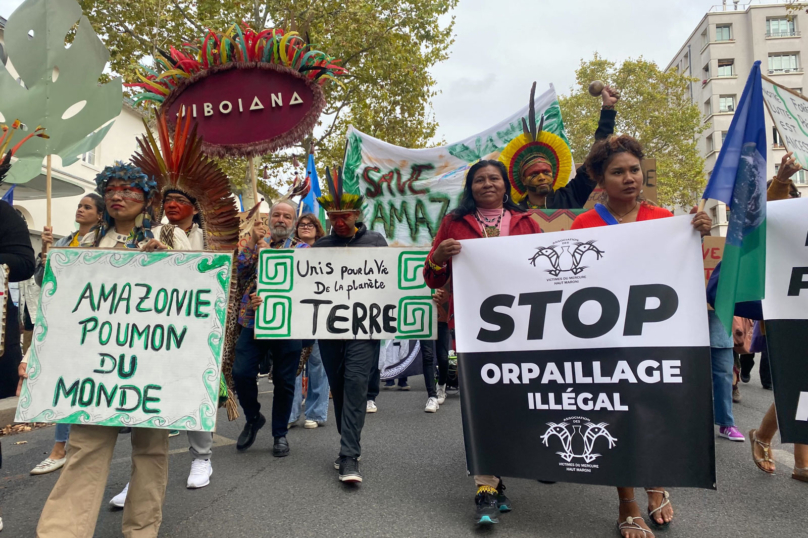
720, 53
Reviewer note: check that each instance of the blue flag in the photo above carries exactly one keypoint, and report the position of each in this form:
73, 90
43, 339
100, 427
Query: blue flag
310, 204
9, 195
739, 180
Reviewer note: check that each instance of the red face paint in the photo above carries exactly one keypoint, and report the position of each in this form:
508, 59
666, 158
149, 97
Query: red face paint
177, 210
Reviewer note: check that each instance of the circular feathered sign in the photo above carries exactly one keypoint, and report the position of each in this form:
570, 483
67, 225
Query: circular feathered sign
249, 92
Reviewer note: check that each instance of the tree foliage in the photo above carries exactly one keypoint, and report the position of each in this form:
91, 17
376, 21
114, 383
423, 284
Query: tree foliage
388, 46
655, 109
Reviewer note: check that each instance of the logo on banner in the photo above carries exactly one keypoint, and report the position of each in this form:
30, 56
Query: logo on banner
567, 256
577, 442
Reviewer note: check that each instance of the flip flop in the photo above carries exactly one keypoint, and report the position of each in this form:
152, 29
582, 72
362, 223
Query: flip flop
766, 452
800, 474
630, 524
665, 502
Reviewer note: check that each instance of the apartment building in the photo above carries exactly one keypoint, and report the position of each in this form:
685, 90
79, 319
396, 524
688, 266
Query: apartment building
720, 53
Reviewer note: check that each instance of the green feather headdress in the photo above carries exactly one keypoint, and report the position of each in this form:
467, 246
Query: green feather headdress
336, 199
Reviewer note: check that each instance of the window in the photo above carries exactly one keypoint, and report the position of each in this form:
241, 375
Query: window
708, 108
780, 27
726, 68
783, 63
706, 70
776, 140
89, 157
723, 135
710, 144
726, 103
704, 39
723, 32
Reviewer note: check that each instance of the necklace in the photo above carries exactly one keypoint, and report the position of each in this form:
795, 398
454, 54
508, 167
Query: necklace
119, 237
531, 205
621, 217
489, 231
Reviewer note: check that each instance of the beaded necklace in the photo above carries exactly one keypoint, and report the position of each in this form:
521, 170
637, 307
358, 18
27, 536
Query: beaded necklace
489, 231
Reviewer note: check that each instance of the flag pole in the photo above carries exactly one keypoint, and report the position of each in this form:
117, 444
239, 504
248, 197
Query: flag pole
48, 192
702, 203
253, 178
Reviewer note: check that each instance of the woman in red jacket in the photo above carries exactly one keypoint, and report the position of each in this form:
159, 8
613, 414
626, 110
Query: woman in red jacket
615, 164
486, 210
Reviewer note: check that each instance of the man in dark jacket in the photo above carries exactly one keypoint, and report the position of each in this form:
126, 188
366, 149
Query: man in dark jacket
348, 363
575, 193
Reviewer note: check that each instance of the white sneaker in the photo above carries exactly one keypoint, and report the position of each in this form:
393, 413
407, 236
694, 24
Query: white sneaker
441, 394
431, 405
310, 424
200, 474
1, 523
120, 499
372, 407
48, 466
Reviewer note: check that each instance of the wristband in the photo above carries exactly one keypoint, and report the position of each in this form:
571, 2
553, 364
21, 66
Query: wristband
435, 267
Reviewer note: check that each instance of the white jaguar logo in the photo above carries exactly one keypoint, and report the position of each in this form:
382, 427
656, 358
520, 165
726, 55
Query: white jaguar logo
576, 444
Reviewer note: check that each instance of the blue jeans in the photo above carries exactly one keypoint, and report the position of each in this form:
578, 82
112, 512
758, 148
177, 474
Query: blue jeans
317, 397
722, 362
62, 433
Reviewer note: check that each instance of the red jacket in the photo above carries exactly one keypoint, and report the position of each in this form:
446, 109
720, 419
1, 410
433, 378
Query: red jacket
467, 228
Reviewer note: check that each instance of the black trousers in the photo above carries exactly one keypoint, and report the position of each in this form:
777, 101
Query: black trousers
432, 350
349, 365
285, 359
374, 385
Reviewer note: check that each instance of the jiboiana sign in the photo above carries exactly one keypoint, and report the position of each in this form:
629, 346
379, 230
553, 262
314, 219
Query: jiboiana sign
344, 294
785, 310
578, 366
128, 338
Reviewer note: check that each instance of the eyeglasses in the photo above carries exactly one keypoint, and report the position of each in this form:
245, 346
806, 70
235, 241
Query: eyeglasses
306, 225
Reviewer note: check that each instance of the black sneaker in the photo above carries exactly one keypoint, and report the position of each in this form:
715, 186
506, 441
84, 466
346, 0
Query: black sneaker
247, 437
487, 508
349, 470
339, 460
503, 502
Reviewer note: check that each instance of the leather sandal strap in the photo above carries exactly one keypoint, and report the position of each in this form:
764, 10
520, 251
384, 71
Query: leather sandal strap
630, 525
665, 500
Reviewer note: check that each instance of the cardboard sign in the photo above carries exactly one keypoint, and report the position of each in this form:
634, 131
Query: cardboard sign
789, 112
712, 250
572, 362
128, 338
554, 220
649, 185
344, 294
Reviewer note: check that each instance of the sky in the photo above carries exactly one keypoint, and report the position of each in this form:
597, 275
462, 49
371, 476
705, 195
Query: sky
502, 46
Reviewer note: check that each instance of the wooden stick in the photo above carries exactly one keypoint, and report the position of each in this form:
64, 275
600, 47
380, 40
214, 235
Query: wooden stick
254, 179
702, 202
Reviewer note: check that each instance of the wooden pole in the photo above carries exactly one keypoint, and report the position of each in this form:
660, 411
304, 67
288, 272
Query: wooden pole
254, 179
701, 205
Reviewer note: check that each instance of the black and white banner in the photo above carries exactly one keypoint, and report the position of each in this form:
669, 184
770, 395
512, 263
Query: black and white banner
785, 310
584, 356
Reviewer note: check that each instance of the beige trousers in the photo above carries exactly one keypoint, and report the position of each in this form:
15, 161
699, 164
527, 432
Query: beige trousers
72, 507
486, 480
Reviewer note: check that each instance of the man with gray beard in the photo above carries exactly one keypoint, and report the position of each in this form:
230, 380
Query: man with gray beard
249, 352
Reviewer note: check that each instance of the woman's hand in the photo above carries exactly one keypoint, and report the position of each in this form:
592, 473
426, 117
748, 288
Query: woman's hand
788, 167
439, 296
447, 249
22, 371
153, 244
702, 222
255, 301
47, 237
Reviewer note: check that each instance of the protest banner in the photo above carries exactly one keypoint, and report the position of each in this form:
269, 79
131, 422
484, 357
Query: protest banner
785, 310
789, 112
409, 191
128, 338
590, 362
712, 250
649, 185
344, 294
3, 299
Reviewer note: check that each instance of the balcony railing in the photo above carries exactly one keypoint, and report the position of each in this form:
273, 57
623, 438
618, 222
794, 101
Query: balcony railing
783, 33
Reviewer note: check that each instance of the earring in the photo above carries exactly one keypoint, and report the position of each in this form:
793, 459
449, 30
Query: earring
507, 197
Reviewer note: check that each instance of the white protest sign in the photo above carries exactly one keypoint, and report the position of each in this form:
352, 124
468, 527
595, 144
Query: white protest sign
128, 338
3, 299
786, 260
789, 111
344, 294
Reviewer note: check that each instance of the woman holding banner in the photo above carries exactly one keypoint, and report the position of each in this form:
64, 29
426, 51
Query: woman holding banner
486, 210
614, 163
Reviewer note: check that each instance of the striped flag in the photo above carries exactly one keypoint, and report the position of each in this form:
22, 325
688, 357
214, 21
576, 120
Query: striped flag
739, 180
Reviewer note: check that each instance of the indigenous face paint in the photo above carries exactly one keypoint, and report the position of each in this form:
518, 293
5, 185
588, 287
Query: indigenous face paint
538, 177
344, 222
178, 209
123, 200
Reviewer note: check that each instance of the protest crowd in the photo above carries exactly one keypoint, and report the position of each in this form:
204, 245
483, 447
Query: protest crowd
171, 202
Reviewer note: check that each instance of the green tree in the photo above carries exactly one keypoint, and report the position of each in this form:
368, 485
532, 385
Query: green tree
388, 46
655, 109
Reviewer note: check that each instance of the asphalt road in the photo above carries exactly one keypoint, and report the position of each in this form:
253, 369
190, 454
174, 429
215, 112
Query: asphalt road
415, 485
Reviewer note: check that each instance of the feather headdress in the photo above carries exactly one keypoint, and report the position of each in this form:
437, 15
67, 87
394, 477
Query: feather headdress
135, 177
336, 199
535, 144
178, 164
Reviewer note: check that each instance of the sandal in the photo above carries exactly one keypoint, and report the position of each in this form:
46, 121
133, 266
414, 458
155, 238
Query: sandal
800, 474
665, 502
766, 452
630, 524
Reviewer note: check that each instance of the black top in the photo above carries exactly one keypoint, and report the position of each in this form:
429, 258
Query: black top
575, 193
362, 238
15, 245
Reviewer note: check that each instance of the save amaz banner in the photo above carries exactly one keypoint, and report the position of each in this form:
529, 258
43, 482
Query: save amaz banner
344, 294
409, 191
584, 356
785, 310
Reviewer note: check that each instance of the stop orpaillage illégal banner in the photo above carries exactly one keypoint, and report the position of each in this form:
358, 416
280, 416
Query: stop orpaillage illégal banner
785, 310
128, 338
344, 294
584, 356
